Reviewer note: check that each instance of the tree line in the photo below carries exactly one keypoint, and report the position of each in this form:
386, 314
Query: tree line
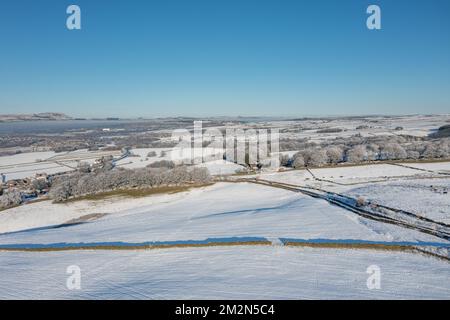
88, 183
358, 149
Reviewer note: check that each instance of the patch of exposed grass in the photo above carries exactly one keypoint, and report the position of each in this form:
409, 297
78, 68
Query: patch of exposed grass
135, 193
25, 203
142, 247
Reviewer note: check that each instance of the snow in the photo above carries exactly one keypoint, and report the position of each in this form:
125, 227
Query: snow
221, 167
423, 197
247, 272
25, 158
224, 210
216, 167
27, 165
46, 213
140, 159
340, 178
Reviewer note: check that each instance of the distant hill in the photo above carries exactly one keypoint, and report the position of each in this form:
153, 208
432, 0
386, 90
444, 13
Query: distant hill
442, 132
34, 117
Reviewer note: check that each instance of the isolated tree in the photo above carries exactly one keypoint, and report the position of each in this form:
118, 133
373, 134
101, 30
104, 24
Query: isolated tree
436, 149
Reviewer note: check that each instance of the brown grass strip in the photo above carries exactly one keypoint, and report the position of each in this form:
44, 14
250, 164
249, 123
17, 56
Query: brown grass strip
142, 247
136, 193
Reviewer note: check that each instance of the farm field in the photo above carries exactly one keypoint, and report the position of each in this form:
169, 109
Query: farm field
114, 249
243, 272
313, 231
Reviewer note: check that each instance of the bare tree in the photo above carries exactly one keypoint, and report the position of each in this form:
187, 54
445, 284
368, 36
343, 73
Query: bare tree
335, 154
40, 184
412, 154
10, 198
61, 191
314, 156
76, 184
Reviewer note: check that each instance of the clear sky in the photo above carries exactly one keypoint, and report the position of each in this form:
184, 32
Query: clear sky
224, 57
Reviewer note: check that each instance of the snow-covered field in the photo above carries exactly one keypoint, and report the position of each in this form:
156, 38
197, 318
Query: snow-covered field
255, 211
247, 272
222, 211
27, 165
425, 197
139, 158
221, 167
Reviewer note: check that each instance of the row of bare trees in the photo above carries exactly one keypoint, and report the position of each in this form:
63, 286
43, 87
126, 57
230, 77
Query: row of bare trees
88, 183
361, 150
10, 198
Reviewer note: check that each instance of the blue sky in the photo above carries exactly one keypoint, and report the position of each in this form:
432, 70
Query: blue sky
224, 57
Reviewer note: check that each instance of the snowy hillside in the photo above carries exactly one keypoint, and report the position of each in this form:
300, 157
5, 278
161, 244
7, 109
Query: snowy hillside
219, 268
248, 272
